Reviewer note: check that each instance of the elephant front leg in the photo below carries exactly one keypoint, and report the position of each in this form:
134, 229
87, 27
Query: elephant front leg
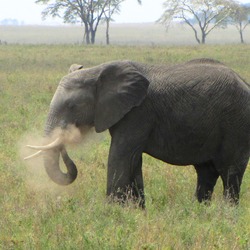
137, 181
125, 180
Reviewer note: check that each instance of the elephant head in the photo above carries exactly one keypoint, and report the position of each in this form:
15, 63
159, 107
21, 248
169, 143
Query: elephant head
95, 97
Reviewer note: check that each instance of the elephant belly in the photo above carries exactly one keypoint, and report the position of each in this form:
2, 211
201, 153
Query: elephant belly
182, 147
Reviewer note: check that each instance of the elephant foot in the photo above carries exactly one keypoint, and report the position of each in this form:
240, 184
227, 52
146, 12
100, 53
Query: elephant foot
128, 198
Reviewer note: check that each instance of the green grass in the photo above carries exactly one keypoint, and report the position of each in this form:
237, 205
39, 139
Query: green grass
37, 214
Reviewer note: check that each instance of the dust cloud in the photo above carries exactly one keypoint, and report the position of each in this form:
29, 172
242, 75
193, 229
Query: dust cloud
36, 177
72, 136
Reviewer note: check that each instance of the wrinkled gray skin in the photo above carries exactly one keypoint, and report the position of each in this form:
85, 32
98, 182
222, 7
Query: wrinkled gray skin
194, 113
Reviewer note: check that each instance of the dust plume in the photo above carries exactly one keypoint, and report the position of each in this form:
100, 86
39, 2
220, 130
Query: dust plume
70, 136
36, 176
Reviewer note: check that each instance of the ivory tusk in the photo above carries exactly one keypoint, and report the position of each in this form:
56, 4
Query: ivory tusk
52, 145
33, 155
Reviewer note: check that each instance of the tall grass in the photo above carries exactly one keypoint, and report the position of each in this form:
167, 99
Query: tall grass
37, 214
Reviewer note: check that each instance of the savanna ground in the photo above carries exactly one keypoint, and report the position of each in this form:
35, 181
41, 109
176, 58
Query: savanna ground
37, 214
120, 34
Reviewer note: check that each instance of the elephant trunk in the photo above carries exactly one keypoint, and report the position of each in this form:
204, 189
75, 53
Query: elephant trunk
52, 158
52, 166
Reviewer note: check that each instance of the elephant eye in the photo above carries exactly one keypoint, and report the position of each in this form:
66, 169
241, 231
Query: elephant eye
71, 106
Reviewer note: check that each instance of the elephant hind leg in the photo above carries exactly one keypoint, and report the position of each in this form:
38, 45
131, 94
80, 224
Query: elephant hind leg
231, 162
232, 178
231, 169
207, 176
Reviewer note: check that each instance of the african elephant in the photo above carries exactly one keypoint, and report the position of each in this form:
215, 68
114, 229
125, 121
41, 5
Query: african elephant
194, 113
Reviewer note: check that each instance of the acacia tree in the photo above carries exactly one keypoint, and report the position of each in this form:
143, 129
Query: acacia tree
112, 7
240, 18
88, 12
201, 15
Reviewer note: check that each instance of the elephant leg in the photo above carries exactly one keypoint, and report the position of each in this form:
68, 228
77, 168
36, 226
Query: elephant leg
207, 176
125, 181
231, 184
137, 181
129, 137
232, 178
231, 168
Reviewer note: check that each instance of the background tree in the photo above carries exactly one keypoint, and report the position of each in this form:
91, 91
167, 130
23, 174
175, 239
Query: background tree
88, 12
201, 15
113, 7
240, 18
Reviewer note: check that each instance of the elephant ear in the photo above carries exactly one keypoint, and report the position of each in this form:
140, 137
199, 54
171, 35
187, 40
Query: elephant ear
75, 67
120, 88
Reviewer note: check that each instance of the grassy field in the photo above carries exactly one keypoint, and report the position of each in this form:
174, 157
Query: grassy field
37, 214
120, 34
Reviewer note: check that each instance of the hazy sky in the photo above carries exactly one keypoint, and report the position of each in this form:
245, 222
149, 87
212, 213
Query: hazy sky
30, 13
